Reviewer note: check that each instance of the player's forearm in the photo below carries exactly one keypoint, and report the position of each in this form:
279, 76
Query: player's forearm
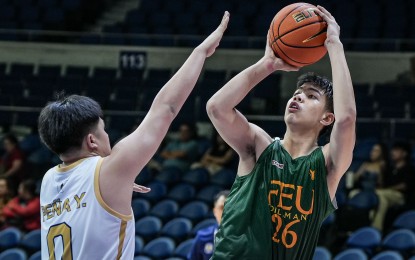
175, 92
230, 95
343, 94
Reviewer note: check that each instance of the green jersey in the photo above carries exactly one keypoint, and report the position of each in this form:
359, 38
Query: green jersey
276, 211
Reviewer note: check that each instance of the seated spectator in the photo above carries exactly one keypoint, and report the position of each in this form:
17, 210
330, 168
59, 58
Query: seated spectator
23, 211
5, 197
182, 152
218, 156
370, 173
202, 247
398, 183
13, 162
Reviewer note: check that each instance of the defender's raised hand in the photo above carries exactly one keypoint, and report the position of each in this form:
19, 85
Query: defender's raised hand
212, 41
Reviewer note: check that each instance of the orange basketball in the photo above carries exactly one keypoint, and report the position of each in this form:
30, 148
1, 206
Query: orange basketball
297, 35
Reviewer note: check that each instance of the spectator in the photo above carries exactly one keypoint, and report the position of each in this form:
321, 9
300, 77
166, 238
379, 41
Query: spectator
23, 211
370, 173
182, 152
218, 156
202, 247
13, 161
398, 182
4, 197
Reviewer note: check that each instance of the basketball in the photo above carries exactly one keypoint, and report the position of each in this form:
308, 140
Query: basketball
297, 35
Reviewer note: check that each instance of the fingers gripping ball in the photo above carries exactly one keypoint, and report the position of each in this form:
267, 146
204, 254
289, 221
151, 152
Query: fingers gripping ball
297, 35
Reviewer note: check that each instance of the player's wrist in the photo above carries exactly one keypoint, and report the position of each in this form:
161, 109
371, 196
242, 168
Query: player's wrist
333, 42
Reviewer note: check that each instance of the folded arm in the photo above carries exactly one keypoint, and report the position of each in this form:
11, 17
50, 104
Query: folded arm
245, 138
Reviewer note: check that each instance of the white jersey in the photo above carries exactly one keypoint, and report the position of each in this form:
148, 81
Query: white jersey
76, 222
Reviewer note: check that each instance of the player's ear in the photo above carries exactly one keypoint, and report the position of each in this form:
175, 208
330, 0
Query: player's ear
328, 118
91, 141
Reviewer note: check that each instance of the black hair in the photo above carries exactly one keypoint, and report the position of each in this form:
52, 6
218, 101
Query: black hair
29, 185
12, 138
224, 193
324, 84
63, 123
192, 128
405, 146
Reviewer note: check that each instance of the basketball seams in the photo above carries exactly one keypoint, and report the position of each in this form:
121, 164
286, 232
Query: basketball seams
294, 45
282, 21
282, 41
287, 57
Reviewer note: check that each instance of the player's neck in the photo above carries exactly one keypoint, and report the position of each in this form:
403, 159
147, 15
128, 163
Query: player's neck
299, 145
75, 156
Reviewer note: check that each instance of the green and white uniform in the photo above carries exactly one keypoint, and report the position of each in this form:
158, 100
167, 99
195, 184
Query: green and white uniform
276, 211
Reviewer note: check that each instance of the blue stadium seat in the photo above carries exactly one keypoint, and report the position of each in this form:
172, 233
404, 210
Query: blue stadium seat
388, 255
159, 248
364, 200
405, 220
165, 210
402, 240
142, 257
144, 177
158, 192
177, 229
203, 224
140, 207
366, 238
223, 178
357, 208
53, 17
197, 177
195, 211
31, 241
351, 254
321, 253
208, 193
169, 175
139, 245
13, 254
148, 227
10, 237
36, 256
182, 193
183, 248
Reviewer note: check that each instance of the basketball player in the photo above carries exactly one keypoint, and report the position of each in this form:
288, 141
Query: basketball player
86, 201
285, 188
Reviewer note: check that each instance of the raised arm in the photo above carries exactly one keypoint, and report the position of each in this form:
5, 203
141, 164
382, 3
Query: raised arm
339, 151
132, 153
235, 129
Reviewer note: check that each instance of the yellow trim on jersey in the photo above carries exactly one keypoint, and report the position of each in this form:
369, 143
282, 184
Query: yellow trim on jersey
123, 227
99, 197
65, 168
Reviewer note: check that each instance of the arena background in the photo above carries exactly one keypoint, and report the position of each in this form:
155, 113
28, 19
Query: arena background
122, 52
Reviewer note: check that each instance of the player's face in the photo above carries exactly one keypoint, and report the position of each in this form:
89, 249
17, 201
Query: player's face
306, 107
103, 142
376, 152
3, 187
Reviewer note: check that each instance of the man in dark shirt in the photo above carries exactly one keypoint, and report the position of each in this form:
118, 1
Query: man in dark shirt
398, 183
